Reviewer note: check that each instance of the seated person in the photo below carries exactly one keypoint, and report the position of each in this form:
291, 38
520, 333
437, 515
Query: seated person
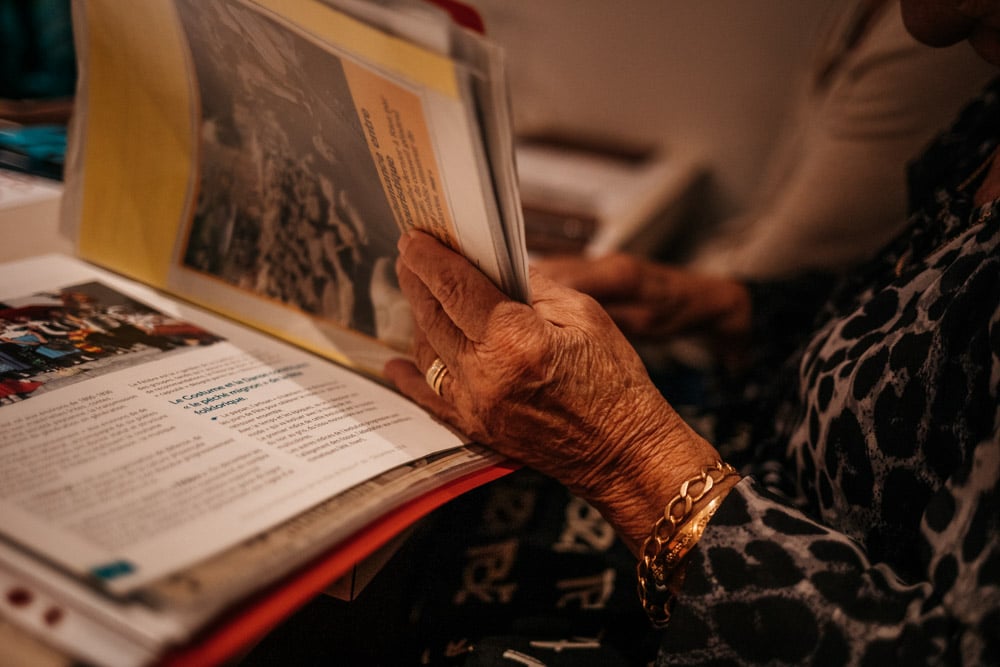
861, 526
834, 190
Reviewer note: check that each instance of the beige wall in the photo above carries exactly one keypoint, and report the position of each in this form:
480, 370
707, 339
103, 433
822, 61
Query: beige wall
708, 77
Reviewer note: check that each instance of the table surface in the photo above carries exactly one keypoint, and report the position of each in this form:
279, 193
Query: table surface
29, 217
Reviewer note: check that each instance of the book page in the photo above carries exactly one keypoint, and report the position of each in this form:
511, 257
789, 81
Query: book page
285, 148
139, 436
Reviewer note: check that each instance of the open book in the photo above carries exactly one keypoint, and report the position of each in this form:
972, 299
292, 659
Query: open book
194, 435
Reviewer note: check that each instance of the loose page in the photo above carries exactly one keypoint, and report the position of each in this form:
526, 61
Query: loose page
264, 158
139, 437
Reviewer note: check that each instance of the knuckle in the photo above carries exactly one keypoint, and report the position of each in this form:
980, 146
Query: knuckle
590, 308
449, 289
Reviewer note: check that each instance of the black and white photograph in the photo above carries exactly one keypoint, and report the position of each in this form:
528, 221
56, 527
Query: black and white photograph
284, 169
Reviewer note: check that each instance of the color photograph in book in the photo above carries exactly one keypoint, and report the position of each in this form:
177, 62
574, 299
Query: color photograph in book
166, 448
50, 340
285, 172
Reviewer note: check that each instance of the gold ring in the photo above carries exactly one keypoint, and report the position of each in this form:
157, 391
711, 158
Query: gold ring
435, 375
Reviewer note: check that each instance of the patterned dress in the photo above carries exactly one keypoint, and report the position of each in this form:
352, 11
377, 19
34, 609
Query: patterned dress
866, 529
867, 532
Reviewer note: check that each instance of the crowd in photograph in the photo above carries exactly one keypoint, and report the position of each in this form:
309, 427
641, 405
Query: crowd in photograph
56, 334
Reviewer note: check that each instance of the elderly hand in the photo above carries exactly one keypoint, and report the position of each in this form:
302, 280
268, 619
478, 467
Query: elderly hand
553, 385
649, 300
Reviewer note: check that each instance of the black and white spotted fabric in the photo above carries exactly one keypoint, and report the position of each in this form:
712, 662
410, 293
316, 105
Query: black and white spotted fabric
865, 532
868, 532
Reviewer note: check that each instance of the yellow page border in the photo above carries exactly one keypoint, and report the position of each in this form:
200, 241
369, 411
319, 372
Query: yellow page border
390, 53
138, 138
139, 151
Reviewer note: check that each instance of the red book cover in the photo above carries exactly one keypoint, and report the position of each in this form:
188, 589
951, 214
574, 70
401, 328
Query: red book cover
462, 14
255, 618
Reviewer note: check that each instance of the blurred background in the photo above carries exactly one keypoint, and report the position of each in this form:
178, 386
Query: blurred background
713, 80
37, 80
713, 86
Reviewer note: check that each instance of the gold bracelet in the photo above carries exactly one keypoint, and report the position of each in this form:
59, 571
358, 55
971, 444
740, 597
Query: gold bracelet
673, 536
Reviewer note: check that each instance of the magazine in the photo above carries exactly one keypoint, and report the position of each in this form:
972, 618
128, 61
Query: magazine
194, 432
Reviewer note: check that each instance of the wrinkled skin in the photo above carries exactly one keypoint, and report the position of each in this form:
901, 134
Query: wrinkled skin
554, 385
